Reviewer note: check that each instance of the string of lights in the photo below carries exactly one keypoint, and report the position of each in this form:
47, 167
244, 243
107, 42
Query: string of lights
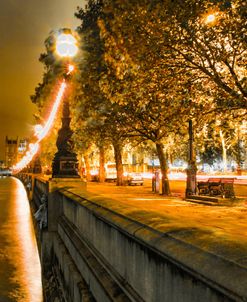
41, 131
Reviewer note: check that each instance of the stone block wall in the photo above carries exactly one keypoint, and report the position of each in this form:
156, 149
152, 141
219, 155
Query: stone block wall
100, 255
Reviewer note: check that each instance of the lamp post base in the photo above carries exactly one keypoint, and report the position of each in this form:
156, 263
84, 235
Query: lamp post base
191, 179
65, 166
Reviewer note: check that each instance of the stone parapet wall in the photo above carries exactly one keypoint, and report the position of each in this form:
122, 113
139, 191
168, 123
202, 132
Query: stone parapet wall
40, 188
145, 264
97, 254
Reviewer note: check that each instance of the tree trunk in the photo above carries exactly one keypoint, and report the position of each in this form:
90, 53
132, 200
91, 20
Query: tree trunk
88, 175
80, 165
164, 170
239, 152
224, 156
239, 156
101, 164
119, 165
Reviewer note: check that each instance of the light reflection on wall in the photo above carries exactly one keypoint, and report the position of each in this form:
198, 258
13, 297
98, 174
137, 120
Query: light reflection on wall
28, 258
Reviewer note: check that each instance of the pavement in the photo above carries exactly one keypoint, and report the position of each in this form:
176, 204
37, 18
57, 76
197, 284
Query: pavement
220, 230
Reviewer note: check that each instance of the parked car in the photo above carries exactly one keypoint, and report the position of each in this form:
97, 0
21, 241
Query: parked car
110, 172
135, 179
111, 176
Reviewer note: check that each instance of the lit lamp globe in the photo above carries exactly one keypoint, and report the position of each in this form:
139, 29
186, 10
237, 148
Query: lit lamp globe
66, 45
210, 19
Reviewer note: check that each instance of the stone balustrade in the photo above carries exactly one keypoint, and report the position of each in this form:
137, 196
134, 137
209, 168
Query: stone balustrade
97, 254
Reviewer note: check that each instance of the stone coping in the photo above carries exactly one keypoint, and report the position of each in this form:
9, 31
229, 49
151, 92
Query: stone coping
218, 272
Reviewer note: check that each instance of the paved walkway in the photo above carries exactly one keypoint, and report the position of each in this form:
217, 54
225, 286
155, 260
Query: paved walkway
220, 230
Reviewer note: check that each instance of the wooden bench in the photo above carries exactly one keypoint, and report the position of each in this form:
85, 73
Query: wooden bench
217, 186
227, 187
214, 186
202, 187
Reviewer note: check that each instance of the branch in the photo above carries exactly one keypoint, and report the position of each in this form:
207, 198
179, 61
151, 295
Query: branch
235, 78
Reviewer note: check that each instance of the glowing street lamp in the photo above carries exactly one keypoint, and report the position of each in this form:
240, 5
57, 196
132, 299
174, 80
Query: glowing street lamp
210, 18
65, 160
38, 130
66, 45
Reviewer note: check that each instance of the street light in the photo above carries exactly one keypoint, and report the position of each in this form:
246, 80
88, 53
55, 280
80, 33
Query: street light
65, 160
66, 45
210, 18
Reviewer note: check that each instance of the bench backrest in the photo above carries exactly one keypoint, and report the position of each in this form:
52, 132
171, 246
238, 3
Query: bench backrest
227, 180
210, 180
217, 180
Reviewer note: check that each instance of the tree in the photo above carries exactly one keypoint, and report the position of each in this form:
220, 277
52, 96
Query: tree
96, 111
160, 63
208, 39
155, 99
218, 137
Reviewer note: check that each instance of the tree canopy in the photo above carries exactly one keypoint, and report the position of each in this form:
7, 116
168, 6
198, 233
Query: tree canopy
147, 67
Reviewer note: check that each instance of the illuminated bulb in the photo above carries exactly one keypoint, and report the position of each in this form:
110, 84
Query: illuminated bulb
68, 38
210, 18
66, 45
31, 147
37, 130
70, 68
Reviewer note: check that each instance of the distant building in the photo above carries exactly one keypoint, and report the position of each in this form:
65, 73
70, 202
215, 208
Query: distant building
11, 151
22, 148
2, 164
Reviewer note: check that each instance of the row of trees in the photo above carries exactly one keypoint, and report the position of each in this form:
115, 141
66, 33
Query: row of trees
147, 67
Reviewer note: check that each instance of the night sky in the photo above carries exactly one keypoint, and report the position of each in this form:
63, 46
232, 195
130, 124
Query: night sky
24, 25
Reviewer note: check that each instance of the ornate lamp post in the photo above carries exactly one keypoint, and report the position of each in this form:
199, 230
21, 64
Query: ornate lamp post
65, 160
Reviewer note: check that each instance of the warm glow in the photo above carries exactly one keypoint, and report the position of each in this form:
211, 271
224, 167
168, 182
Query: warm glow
37, 130
41, 132
20, 264
27, 256
33, 149
66, 45
210, 18
94, 172
53, 113
70, 68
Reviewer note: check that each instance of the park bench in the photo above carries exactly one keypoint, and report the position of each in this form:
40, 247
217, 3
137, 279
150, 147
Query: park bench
217, 186
202, 187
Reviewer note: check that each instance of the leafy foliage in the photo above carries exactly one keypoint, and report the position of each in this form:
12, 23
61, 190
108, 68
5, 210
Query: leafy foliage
147, 67
213, 51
